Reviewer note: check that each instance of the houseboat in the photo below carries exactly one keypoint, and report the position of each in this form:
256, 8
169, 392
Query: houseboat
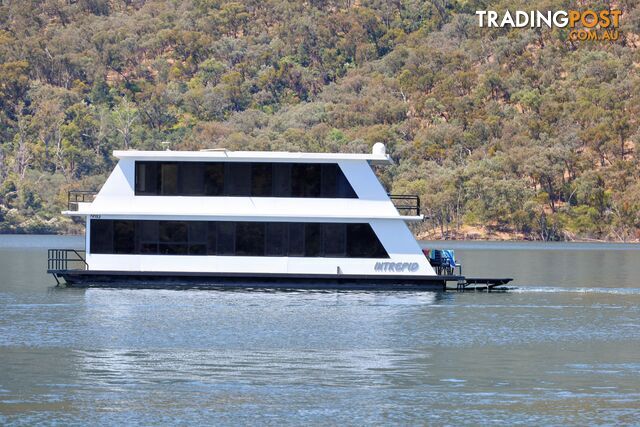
219, 218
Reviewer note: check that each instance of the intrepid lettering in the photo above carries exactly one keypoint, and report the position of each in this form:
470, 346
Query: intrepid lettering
396, 267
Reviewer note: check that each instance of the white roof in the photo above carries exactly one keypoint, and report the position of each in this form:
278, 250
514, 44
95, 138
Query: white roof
250, 156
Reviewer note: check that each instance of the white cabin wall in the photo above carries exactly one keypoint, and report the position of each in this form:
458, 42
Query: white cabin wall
400, 244
363, 180
121, 181
240, 264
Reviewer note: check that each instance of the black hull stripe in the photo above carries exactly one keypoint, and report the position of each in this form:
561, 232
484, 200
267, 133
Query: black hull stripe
182, 280
187, 280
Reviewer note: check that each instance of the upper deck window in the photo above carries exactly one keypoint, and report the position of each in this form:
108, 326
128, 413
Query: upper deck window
260, 179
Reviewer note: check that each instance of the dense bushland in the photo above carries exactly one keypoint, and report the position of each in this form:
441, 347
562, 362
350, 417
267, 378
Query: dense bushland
518, 131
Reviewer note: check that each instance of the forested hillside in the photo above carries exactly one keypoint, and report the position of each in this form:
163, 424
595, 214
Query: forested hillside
518, 132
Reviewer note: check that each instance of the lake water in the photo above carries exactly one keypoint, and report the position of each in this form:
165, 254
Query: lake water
562, 347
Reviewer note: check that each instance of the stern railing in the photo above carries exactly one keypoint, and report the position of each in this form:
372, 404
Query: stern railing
406, 204
62, 259
79, 196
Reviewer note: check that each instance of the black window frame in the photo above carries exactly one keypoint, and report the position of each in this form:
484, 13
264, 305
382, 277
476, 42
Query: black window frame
241, 179
233, 238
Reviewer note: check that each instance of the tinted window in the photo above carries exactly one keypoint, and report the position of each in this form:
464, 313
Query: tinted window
329, 180
282, 179
191, 180
237, 179
101, 236
173, 237
173, 231
250, 239
231, 238
169, 179
362, 242
313, 240
147, 237
276, 239
343, 188
306, 180
335, 240
147, 178
198, 237
212, 235
296, 239
260, 179
226, 238
123, 237
213, 179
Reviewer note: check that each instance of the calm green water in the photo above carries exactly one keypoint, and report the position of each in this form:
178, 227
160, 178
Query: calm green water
562, 348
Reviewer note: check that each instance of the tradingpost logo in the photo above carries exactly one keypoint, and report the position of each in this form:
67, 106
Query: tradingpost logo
587, 25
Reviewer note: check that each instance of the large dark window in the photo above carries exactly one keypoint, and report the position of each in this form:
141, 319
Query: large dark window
124, 233
174, 238
281, 176
335, 239
191, 181
277, 239
294, 239
306, 180
250, 239
169, 179
198, 237
312, 240
362, 242
101, 236
212, 238
343, 188
214, 179
147, 178
147, 242
237, 180
259, 179
226, 238
262, 179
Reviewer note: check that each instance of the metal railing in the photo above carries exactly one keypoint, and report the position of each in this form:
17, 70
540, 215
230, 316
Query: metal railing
79, 196
62, 259
406, 204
